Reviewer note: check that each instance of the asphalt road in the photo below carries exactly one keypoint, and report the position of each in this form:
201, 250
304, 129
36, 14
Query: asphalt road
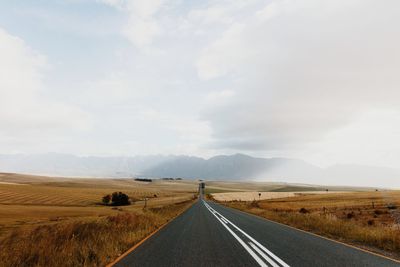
209, 234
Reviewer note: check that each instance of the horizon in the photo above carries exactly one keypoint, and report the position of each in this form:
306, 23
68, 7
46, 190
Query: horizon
217, 168
195, 156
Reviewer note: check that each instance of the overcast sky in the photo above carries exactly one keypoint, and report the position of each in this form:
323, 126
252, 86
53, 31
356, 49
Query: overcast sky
310, 79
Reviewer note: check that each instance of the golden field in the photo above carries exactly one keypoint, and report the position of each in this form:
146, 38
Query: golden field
44, 221
366, 219
256, 195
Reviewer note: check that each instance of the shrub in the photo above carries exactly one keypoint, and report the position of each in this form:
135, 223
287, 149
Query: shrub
120, 199
106, 199
391, 206
304, 210
143, 180
378, 212
254, 204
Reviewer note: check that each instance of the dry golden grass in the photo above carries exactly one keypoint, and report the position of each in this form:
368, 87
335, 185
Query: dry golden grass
27, 201
249, 186
59, 221
250, 196
91, 242
359, 218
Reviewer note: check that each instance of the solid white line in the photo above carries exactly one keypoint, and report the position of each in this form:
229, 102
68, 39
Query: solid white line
246, 247
263, 255
260, 246
225, 221
255, 242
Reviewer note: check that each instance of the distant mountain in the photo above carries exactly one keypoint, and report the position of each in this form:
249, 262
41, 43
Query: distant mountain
233, 167
70, 165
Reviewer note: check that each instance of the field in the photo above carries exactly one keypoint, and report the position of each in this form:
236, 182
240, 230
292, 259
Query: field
242, 186
256, 195
366, 219
36, 211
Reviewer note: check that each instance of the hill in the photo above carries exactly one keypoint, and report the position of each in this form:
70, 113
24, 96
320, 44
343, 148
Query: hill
232, 167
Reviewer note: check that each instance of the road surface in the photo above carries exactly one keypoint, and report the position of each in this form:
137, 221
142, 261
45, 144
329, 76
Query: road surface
208, 234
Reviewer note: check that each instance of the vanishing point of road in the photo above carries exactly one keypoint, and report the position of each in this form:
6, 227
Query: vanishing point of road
208, 234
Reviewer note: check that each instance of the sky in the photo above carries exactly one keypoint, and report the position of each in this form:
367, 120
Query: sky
309, 79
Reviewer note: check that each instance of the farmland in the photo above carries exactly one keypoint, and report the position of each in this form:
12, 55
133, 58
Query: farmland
366, 219
255, 195
32, 207
29, 200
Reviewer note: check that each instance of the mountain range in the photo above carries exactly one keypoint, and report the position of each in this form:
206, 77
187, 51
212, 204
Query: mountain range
222, 167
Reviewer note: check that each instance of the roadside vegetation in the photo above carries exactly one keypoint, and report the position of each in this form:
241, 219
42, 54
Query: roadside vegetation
116, 199
48, 221
84, 243
366, 219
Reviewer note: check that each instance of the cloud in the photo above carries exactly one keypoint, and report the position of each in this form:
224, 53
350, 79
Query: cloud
290, 78
25, 110
142, 25
300, 70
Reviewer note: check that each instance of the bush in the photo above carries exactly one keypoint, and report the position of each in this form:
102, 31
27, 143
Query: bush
106, 199
120, 199
143, 180
303, 210
378, 212
254, 204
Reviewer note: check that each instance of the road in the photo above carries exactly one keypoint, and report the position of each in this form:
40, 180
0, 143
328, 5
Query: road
209, 234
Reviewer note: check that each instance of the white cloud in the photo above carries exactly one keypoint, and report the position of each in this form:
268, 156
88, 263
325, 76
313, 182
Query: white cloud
297, 71
304, 70
25, 111
216, 98
291, 78
371, 140
268, 12
142, 25
216, 60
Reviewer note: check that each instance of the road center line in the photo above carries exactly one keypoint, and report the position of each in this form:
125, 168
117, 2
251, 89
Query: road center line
246, 247
263, 255
224, 221
276, 258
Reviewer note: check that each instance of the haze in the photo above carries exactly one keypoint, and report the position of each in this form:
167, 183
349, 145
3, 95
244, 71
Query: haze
306, 79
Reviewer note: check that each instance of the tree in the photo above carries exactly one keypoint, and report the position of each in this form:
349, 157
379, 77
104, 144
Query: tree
106, 199
119, 199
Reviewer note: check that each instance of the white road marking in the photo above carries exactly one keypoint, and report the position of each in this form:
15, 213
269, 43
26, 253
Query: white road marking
263, 255
259, 245
225, 221
246, 247
256, 246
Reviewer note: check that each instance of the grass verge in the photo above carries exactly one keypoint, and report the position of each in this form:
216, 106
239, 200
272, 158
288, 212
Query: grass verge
379, 238
84, 243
